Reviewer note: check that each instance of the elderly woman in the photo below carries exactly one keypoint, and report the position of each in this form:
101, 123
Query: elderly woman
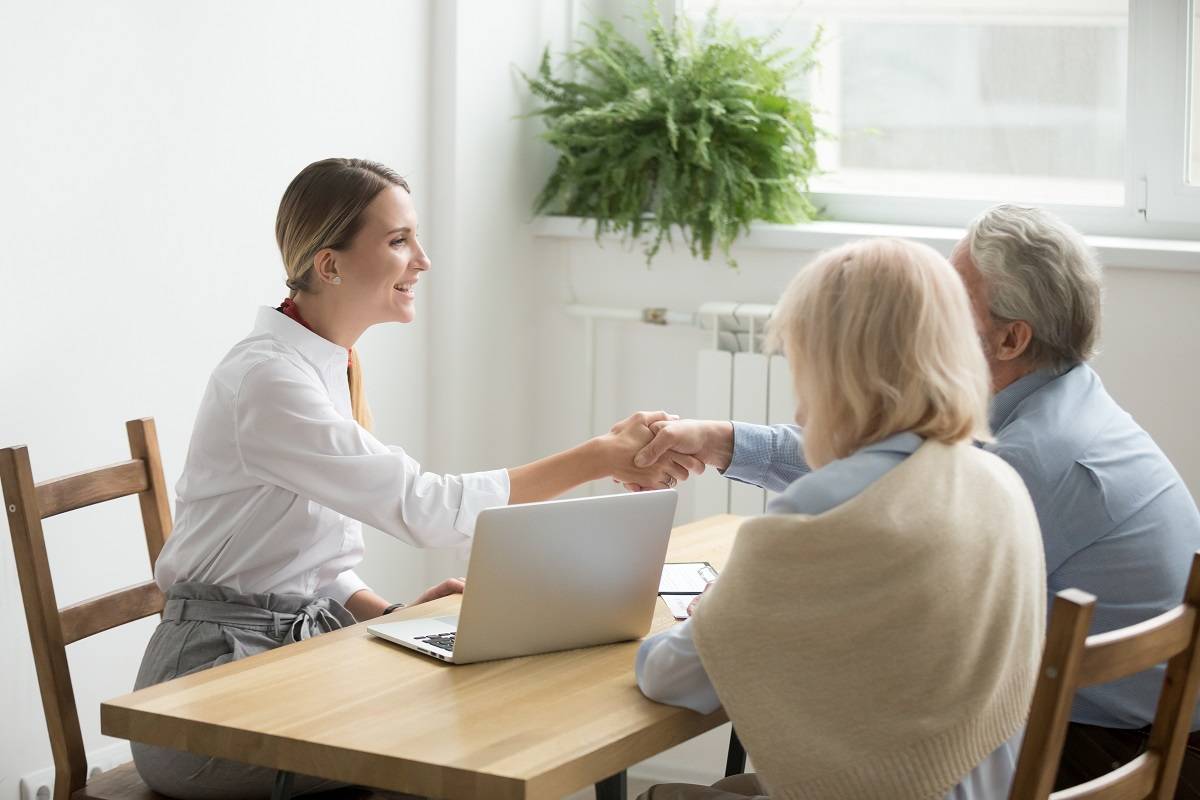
877, 633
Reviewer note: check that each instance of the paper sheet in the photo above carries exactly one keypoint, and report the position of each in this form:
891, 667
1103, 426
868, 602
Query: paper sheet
678, 604
683, 577
681, 582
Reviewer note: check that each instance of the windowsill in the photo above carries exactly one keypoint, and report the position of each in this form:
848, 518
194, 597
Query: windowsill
1115, 251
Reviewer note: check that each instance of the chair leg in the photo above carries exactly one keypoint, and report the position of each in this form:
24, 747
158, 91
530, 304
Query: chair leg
614, 788
735, 762
283, 785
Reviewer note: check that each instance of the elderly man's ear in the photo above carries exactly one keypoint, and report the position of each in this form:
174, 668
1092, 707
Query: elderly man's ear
1011, 340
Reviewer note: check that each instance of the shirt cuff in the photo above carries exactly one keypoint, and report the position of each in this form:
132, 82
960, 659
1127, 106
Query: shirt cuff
481, 490
343, 587
751, 453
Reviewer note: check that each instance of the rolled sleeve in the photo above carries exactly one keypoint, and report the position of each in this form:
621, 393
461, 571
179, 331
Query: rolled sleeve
481, 490
343, 587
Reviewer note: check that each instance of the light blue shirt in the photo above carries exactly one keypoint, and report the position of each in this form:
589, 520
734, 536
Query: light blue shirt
669, 669
1116, 518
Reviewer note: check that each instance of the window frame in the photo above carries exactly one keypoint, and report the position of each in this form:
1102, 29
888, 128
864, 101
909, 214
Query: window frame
1159, 90
1159, 201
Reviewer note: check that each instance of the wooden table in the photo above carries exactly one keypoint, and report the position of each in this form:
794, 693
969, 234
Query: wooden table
350, 707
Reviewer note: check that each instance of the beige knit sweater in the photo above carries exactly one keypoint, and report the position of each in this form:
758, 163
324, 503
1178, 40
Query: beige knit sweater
884, 648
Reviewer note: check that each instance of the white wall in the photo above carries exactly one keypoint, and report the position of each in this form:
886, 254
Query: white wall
1149, 349
489, 164
146, 146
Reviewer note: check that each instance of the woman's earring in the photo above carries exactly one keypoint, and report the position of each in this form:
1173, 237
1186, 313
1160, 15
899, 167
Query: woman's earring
337, 280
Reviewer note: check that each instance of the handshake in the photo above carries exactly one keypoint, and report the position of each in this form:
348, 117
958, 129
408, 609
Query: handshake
657, 450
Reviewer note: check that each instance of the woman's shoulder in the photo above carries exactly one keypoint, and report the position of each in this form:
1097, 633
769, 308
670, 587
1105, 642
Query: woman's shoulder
814, 493
838, 481
258, 360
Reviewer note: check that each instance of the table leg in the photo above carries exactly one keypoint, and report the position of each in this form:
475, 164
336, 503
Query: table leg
735, 761
283, 785
614, 788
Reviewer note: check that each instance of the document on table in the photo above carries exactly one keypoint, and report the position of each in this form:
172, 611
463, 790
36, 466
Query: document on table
681, 582
678, 604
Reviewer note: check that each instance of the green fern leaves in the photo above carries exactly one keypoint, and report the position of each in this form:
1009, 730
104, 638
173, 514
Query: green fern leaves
701, 133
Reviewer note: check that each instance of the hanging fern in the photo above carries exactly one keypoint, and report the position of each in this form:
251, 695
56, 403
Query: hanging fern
701, 133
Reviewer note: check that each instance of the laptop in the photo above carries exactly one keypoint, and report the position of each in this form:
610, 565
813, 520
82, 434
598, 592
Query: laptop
552, 576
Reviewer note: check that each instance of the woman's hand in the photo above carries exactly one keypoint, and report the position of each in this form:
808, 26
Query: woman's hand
444, 589
692, 606
628, 437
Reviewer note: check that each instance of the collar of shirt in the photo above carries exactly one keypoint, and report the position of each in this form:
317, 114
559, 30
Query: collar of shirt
905, 442
289, 308
316, 350
1005, 401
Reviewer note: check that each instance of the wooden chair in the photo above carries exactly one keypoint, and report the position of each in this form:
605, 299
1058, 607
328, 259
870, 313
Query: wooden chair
52, 628
1072, 660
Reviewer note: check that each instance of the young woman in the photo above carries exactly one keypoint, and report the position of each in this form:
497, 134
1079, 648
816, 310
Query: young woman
878, 632
282, 469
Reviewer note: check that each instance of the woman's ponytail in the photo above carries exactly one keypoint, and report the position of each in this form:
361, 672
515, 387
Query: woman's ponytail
358, 398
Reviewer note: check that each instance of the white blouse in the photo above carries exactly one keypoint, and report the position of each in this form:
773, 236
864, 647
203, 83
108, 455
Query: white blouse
279, 477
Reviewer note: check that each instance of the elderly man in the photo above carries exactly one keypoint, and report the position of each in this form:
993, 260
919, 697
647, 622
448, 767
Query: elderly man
1116, 518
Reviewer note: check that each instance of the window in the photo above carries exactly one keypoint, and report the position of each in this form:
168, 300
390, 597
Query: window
939, 108
1194, 109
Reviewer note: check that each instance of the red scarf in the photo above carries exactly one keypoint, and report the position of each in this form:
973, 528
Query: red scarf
290, 309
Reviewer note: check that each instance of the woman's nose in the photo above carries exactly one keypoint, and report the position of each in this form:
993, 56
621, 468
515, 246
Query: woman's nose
422, 261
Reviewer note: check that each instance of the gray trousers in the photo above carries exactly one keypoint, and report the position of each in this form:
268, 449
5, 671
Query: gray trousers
204, 626
736, 787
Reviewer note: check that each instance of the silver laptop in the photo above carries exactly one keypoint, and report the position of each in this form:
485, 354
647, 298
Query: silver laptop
552, 576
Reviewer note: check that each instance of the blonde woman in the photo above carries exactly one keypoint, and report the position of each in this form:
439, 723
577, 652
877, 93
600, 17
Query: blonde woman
282, 469
877, 633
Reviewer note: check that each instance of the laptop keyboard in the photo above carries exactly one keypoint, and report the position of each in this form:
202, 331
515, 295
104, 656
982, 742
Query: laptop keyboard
443, 640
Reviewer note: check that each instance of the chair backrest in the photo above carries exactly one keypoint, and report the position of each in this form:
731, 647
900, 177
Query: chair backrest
52, 628
1072, 660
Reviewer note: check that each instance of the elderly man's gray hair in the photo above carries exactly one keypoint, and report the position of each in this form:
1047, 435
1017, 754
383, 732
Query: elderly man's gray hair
1040, 270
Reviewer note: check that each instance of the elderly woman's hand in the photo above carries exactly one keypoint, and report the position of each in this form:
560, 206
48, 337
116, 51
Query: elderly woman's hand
710, 577
628, 437
709, 441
